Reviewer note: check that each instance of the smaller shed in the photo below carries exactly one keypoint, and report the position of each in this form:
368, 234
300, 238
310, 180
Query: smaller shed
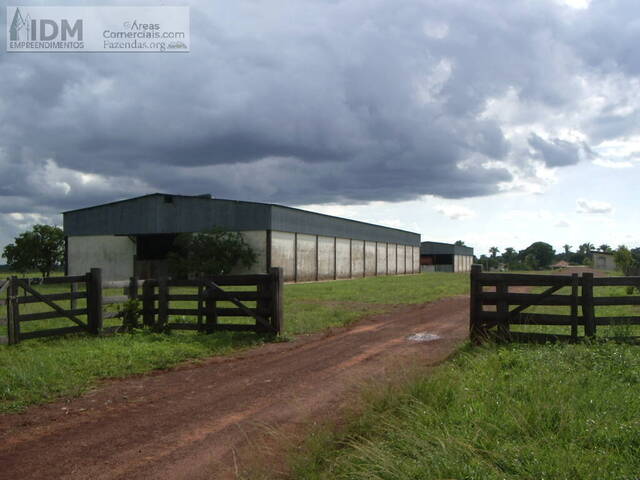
445, 257
603, 261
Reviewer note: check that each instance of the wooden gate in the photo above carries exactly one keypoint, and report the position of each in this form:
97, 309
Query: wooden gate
36, 299
212, 298
79, 306
4, 285
578, 297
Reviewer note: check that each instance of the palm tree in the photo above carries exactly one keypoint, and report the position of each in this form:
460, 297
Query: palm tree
494, 252
567, 249
586, 248
604, 248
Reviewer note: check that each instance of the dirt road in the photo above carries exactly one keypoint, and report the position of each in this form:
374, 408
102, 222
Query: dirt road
202, 421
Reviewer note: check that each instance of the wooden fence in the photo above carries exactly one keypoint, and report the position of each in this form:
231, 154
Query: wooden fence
158, 304
493, 289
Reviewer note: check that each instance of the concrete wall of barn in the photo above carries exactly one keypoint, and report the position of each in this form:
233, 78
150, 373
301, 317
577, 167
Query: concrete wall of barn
113, 254
303, 257
306, 258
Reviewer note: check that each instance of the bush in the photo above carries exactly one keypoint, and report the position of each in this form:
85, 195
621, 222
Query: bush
210, 253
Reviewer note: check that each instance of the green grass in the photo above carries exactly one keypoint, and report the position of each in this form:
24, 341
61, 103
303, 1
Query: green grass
37, 371
509, 412
311, 307
620, 330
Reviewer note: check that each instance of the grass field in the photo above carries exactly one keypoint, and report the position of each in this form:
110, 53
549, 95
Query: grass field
509, 412
37, 371
620, 330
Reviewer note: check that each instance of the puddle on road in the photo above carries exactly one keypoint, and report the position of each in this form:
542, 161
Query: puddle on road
423, 337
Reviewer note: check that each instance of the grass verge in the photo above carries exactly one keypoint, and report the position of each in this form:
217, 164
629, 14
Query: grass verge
508, 412
37, 371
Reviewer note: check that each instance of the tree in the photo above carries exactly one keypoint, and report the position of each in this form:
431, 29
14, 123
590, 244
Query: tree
510, 256
583, 253
459, 243
41, 248
210, 253
494, 252
567, 250
531, 262
586, 248
624, 259
538, 255
604, 248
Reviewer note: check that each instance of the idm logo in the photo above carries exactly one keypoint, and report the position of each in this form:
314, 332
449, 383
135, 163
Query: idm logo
25, 28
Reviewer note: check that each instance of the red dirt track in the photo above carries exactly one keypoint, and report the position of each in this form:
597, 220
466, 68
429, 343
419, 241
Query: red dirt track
203, 420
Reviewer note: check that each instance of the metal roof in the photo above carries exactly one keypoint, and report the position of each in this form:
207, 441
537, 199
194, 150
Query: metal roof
164, 213
439, 248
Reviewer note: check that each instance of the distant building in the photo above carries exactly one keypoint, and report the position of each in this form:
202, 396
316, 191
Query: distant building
445, 257
603, 261
134, 237
559, 265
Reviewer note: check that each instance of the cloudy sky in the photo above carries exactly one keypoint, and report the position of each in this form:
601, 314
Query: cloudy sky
495, 122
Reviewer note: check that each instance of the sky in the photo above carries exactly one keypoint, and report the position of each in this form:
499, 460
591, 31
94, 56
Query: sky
499, 123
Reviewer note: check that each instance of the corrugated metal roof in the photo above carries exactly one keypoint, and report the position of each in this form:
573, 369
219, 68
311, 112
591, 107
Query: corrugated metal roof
164, 213
439, 248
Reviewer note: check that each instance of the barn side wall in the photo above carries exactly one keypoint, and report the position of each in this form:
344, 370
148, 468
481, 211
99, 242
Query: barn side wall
114, 255
283, 253
343, 258
303, 257
326, 258
306, 258
393, 258
462, 263
381, 257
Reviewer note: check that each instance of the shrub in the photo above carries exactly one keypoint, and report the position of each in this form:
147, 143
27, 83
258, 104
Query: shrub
210, 253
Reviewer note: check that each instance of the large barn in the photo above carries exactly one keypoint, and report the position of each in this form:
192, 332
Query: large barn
134, 236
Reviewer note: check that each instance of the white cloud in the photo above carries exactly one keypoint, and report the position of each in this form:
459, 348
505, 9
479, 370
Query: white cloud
607, 163
437, 30
577, 4
591, 206
455, 212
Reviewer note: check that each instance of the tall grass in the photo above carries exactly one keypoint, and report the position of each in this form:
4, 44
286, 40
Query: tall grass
511, 412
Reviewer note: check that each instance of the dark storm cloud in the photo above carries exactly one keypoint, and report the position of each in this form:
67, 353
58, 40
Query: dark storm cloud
304, 101
555, 152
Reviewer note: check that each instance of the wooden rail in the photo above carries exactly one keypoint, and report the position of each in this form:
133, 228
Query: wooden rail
485, 323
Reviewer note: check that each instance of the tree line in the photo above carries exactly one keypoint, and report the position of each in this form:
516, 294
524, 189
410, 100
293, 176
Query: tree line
541, 255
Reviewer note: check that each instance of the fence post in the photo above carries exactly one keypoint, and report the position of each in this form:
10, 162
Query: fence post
587, 305
503, 309
574, 306
210, 306
148, 303
277, 293
133, 288
200, 308
163, 303
13, 312
94, 300
262, 306
475, 331
73, 304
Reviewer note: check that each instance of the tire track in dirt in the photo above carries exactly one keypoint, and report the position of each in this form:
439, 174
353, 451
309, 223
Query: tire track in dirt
191, 422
